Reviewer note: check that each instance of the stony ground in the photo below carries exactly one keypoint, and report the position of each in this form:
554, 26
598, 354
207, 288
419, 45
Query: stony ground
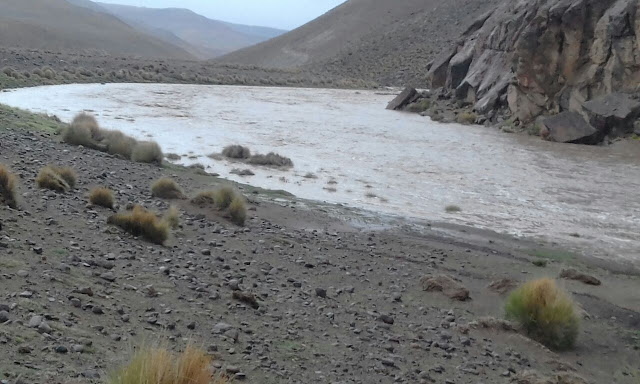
336, 303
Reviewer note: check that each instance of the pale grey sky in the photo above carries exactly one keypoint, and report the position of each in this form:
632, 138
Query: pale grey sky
285, 14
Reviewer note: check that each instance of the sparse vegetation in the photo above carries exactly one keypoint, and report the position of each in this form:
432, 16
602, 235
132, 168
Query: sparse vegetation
452, 209
117, 143
173, 156
140, 222
8, 188
238, 210
159, 366
466, 118
226, 199
147, 152
172, 217
81, 131
540, 263
545, 312
271, 160
236, 152
102, 197
166, 188
49, 178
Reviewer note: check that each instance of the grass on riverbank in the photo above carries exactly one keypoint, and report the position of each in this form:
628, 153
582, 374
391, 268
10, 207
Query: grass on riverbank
14, 118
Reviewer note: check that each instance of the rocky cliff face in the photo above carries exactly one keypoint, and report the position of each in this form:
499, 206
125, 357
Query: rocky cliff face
538, 57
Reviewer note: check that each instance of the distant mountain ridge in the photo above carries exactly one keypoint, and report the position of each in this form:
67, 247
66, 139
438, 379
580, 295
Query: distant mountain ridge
60, 25
200, 36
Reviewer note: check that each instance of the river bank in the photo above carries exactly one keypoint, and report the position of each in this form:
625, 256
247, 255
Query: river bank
338, 290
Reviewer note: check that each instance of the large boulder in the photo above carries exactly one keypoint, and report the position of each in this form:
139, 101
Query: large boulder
613, 114
569, 127
406, 97
549, 56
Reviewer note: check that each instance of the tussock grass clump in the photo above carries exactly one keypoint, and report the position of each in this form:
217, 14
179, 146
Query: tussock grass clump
117, 143
49, 178
166, 188
238, 210
67, 174
82, 131
159, 366
224, 196
8, 188
224, 199
172, 217
147, 152
236, 152
8, 71
102, 197
545, 312
140, 222
204, 198
466, 118
271, 159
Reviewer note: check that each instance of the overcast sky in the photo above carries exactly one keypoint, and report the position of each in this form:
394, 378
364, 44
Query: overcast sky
285, 14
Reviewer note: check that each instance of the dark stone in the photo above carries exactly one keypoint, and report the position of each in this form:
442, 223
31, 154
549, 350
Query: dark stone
407, 96
569, 127
613, 114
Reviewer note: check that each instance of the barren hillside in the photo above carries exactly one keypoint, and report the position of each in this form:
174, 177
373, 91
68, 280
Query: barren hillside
390, 42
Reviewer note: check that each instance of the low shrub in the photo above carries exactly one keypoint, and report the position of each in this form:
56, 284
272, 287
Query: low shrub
48, 178
8, 71
102, 197
173, 156
8, 193
172, 217
159, 366
466, 118
140, 222
545, 312
238, 210
166, 188
147, 152
48, 73
236, 152
271, 160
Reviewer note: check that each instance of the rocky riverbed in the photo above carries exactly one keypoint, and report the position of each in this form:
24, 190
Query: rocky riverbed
335, 303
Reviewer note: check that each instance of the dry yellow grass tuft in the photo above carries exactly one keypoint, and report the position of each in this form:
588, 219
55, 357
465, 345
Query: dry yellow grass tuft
8, 187
48, 178
147, 152
159, 366
238, 210
166, 188
83, 131
545, 312
236, 152
140, 222
117, 143
102, 197
172, 217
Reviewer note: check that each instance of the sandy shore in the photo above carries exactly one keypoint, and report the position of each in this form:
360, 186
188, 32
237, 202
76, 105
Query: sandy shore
339, 293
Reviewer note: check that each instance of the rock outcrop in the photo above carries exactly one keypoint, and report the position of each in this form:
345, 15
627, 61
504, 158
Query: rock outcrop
406, 97
543, 57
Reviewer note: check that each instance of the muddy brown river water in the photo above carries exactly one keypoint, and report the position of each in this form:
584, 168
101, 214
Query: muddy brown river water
389, 162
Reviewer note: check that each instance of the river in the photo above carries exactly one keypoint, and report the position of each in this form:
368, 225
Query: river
390, 162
